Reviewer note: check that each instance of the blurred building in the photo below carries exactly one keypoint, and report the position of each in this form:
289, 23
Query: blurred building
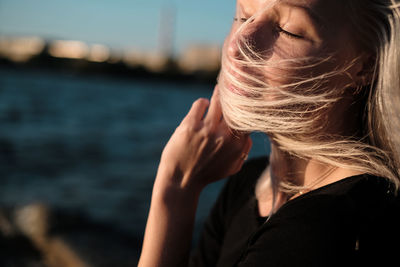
68, 49
99, 53
79, 50
152, 61
167, 30
20, 49
200, 58
195, 59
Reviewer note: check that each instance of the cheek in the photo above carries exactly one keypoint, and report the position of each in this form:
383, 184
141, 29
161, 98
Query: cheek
283, 71
288, 61
301, 79
286, 48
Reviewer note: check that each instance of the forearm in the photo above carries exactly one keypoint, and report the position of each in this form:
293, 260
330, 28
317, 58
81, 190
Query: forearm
202, 150
169, 226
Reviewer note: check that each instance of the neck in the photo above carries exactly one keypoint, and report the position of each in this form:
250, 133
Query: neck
283, 167
308, 173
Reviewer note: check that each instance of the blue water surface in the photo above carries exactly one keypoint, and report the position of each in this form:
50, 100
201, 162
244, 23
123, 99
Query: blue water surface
91, 143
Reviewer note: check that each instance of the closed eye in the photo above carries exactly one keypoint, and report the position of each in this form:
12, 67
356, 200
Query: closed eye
289, 34
240, 19
279, 29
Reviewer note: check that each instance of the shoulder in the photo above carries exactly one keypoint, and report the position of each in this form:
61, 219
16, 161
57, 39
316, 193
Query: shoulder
349, 219
351, 202
360, 194
372, 198
378, 231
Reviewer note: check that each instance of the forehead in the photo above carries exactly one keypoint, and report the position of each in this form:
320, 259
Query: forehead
321, 7
329, 13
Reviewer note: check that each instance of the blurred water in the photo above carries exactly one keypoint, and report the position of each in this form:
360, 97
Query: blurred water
90, 143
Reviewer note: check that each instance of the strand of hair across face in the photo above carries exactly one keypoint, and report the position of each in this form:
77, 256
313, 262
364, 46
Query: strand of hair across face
291, 113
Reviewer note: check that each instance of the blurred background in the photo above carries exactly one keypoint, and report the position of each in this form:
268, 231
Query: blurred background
90, 92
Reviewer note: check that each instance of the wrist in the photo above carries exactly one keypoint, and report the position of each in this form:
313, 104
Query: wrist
170, 178
170, 188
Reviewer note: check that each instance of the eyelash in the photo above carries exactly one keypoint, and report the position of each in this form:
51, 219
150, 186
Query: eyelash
240, 19
289, 34
278, 28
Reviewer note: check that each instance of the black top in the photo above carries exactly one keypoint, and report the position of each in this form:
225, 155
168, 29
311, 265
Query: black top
352, 222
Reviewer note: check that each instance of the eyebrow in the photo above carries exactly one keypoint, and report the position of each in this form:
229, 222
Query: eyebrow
309, 10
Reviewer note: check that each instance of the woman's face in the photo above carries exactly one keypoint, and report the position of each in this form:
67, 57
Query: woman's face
296, 29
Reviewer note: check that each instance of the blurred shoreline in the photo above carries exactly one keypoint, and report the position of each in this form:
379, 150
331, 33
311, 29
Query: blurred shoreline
87, 148
199, 63
80, 144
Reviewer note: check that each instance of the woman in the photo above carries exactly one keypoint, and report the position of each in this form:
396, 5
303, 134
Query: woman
320, 78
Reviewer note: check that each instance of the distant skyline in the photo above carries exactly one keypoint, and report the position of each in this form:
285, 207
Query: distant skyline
118, 24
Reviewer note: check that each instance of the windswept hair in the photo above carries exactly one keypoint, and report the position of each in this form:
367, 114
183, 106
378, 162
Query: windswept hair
294, 114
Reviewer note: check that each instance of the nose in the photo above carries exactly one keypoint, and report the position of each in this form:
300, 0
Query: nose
233, 46
259, 35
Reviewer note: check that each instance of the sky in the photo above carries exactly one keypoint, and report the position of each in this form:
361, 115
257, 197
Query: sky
118, 23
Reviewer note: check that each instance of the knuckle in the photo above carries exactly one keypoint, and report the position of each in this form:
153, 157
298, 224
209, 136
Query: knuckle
209, 126
200, 102
190, 129
220, 140
206, 134
186, 128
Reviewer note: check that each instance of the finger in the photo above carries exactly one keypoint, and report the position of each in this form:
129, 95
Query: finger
197, 110
214, 112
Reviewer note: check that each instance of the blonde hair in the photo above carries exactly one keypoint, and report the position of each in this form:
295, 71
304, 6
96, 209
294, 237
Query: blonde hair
293, 114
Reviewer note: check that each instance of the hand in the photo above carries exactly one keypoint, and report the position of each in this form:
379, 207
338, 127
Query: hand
203, 149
